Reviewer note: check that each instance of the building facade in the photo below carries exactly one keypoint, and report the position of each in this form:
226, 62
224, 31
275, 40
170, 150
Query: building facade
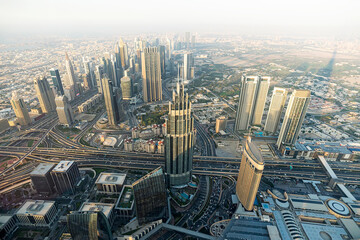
56, 79
110, 182
65, 176
64, 111
37, 213
41, 178
45, 95
179, 140
188, 65
220, 124
20, 110
277, 104
151, 75
111, 102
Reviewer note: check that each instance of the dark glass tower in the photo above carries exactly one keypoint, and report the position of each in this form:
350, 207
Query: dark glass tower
180, 139
150, 196
55, 76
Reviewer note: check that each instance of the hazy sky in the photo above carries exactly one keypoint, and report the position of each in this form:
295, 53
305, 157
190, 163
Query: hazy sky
83, 16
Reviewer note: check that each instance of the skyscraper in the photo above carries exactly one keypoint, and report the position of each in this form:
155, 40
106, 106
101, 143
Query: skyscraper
277, 104
294, 117
180, 139
71, 79
187, 39
151, 75
252, 97
111, 101
55, 76
250, 172
150, 196
188, 64
161, 50
123, 53
41, 178
126, 87
193, 41
99, 71
64, 110
89, 225
20, 109
45, 95
65, 176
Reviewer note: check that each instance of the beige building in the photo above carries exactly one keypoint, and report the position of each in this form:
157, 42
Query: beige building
277, 104
221, 123
110, 98
259, 100
4, 125
64, 110
250, 172
20, 110
151, 75
294, 117
45, 95
110, 182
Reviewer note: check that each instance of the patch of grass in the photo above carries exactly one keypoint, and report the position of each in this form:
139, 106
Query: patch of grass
30, 143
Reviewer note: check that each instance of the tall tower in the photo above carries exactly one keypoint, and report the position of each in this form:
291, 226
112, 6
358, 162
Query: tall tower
187, 39
71, 77
99, 71
45, 95
151, 75
250, 172
294, 117
111, 105
188, 64
20, 110
55, 76
161, 50
180, 139
252, 97
64, 110
123, 53
126, 87
277, 104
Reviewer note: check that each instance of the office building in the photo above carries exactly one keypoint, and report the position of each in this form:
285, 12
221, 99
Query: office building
37, 213
8, 226
55, 77
111, 101
65, 176
150, 196
161, 50
126, 87
45, 95
106, 208
87, 81
250, 172
193, 41
89, 225
41, 178
99, 71
4, 125
69, 92
151, 75
64, 111
187, 39
71, 78
252, 97
125, 205
20, 110
110, 182
277, 104
180, 139
188, 64
294, 117
123, 53
220, 124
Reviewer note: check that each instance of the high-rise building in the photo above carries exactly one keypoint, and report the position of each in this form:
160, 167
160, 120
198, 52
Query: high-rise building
250, 172
150, 196
71, 79
220, 124
89, 225
277, 104
45, 95
20, 110
187, 39
294, 117
55, 77
111, 101
87, 81
65, 176
161, 50
99, 71
151, 75
252, 97
188, 64
123, 53
64, 110
126, 87
180, 139
41, 178
193, 41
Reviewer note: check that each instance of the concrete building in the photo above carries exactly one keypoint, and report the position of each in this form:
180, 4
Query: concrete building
253, 93
45, 95
277, 104
56, 79
66, 175
111, 101
110, 182
180, 139
151, 75
20, 110
64, 111
4, 125
71, 79
188, 64
150, 196
126, 87
220, 124
250, 172
37, 213
161, 50
125, 205
294, 117
41, 178
8, 226
106, 208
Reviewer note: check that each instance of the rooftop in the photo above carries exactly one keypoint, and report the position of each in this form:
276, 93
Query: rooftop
42, 169
126, 198
111, 178
63, 166
4, 219
322, 146
302, 93
105, 208
35, 207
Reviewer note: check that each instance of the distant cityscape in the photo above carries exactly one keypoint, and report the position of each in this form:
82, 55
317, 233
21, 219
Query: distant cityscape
180, 136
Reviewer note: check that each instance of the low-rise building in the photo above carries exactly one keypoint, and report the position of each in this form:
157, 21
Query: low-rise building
8, 226
37, 213
106, 208
110, 182
41, 178
125, 204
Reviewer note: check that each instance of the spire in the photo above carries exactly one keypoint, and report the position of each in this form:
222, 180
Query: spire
67, 56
